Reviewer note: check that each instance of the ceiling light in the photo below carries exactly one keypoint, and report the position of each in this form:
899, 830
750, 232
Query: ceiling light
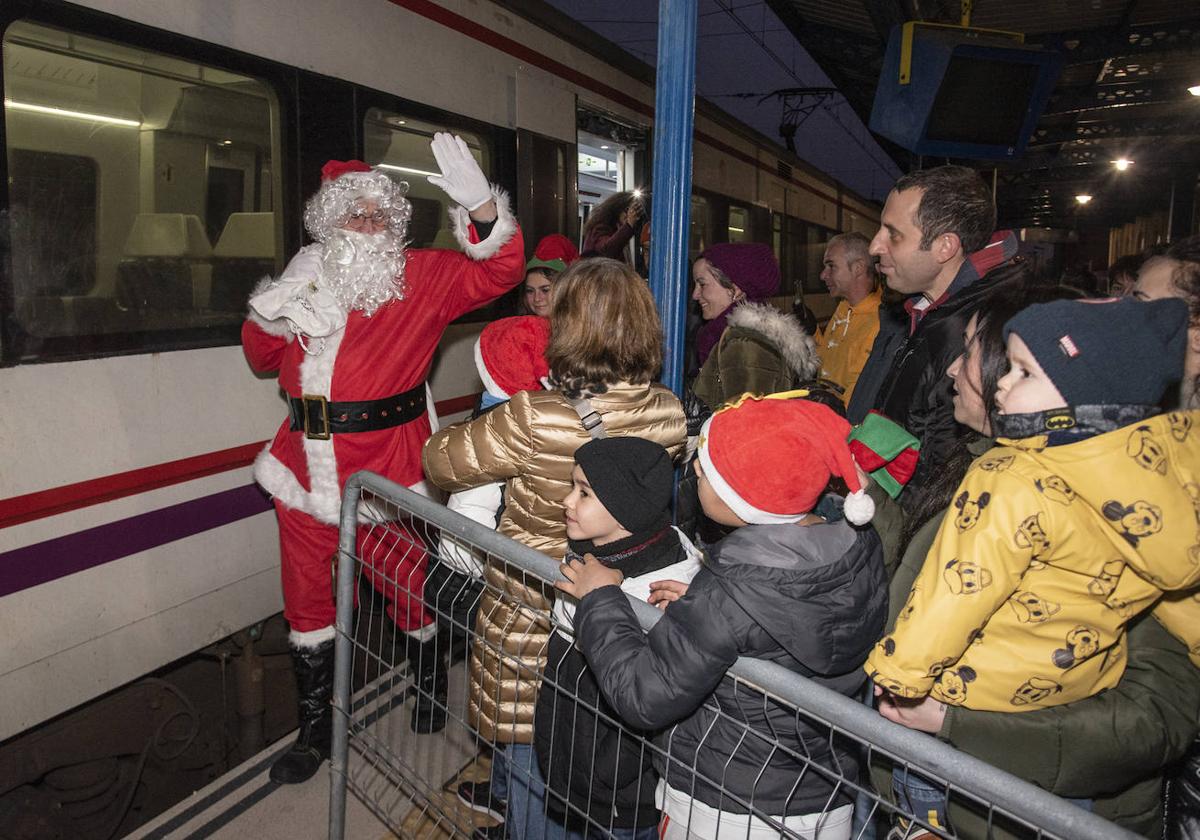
75, 115
1083, 198
392, 166
1194, 90
1122, 164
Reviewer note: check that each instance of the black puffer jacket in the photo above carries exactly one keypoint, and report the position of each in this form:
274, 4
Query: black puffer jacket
811, 599
905, 376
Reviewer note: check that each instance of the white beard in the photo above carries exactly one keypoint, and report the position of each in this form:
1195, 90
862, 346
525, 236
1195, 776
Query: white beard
364, 271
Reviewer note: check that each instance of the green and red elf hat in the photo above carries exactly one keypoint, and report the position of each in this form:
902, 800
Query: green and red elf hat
885, 451
554, 252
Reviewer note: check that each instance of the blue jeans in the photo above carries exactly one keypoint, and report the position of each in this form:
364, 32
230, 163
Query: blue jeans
926, 801
517, 779
918, 796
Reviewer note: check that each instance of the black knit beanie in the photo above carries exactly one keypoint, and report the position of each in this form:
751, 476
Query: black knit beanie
633, 479
1122, 351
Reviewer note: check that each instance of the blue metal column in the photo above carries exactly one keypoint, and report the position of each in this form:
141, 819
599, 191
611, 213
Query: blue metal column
674, 111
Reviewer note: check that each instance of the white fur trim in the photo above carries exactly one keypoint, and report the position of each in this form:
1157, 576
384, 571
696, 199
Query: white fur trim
422, 634
502, 231
485, 377
745, 511
859, 508
311, 639
784, 331
275, 326
434, 422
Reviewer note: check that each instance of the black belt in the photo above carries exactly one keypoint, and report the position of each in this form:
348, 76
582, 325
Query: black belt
318, 418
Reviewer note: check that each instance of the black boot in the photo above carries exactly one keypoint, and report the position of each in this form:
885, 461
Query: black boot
427, 664
314, 684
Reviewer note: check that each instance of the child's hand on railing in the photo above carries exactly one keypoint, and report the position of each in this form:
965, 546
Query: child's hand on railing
582, 576
663, 592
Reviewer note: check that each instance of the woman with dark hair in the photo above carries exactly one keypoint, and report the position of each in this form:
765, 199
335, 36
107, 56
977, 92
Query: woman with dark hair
1110, 749
611, 224
605, 351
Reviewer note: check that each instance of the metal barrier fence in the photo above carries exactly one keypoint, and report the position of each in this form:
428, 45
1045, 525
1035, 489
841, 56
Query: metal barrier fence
385, 688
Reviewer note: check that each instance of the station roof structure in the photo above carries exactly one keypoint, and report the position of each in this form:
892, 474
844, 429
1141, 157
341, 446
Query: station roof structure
1123, 94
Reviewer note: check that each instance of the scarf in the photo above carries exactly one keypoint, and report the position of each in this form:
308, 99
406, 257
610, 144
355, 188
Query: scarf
1068, 425
634, 555
710, 334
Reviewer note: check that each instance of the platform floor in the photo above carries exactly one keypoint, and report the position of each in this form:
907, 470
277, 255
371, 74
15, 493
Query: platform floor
389, 769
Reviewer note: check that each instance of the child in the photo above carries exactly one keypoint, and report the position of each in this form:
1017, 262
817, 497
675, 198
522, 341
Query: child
1081, 517
786, 587
510, 357
619, 512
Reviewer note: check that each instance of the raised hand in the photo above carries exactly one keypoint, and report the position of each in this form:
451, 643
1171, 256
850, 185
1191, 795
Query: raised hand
461, 177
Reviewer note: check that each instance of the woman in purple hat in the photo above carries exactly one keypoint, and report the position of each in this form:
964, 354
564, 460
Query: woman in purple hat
746, 344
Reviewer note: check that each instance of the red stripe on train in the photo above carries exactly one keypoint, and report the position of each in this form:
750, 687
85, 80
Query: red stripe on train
68, 497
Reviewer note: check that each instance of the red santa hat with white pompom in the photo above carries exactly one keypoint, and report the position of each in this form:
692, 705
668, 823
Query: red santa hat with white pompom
510, 355
770, 458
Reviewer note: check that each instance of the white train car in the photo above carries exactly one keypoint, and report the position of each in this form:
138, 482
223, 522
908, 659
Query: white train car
156, 160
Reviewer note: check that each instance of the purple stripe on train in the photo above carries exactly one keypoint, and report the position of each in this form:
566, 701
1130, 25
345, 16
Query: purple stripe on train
43, 562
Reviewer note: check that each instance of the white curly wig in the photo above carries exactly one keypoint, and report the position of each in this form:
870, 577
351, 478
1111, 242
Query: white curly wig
333, 204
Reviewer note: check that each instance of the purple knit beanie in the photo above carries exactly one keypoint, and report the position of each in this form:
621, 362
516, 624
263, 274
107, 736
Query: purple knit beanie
750, 265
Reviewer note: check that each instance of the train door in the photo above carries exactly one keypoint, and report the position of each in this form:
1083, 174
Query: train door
611, 159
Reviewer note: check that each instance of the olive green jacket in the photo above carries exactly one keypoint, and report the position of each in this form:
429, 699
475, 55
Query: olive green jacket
762, 351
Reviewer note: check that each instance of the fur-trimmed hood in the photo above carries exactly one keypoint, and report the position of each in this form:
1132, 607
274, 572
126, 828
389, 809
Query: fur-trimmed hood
784, 331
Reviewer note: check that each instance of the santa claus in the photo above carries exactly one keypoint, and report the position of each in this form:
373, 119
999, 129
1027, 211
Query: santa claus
351, 326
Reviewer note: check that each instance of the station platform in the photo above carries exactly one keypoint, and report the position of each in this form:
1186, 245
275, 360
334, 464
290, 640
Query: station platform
397, 779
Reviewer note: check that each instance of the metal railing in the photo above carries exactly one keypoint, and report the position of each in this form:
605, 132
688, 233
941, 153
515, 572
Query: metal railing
411, 780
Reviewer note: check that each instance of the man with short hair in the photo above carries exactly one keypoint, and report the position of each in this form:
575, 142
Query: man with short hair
845, 343
935, 244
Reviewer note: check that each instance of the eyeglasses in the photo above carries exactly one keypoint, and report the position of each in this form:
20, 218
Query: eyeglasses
379, 217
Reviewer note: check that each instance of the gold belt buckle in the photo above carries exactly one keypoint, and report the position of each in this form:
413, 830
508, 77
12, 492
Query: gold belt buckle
323, 432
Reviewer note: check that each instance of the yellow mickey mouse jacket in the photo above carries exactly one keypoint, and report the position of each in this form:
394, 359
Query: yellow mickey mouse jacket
1045, 555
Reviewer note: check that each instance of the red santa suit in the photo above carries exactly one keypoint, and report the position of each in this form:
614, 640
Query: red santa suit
373, 357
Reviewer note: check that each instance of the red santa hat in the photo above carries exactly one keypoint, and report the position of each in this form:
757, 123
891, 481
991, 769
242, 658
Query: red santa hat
334, 169
770, 458
554, 252
510, 355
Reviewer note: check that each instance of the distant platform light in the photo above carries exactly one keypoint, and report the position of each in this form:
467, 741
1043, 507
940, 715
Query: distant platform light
604, 147
1122, 164
1194, 90
1083, 198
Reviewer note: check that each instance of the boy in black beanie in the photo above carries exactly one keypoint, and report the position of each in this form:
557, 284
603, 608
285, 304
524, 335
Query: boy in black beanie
599, 780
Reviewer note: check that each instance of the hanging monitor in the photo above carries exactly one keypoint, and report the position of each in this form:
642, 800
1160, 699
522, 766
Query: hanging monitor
949, 91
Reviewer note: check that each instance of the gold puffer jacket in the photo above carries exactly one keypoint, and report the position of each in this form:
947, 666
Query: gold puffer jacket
530, 443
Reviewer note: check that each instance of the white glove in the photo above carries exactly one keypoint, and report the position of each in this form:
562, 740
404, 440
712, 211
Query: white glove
461, 177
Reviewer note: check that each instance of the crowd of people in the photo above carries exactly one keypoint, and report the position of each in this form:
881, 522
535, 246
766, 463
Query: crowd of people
976, 509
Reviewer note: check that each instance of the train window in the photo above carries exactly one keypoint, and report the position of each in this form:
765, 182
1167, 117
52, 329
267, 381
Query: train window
814, 256
739, 225
141, 196
399, 144
547, 200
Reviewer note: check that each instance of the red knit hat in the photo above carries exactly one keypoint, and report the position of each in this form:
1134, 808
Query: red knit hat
554, 252
510, 355
335, 169
770, 458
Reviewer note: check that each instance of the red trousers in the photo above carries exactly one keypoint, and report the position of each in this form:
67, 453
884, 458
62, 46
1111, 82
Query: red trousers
393, 558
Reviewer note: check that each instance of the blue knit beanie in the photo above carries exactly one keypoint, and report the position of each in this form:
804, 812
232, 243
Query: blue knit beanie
1121, 351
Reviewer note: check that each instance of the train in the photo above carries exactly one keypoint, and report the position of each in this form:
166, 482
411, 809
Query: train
157, 157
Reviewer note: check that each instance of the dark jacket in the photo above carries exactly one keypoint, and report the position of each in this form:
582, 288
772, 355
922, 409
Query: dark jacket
587, 759
905, 376
811, 599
